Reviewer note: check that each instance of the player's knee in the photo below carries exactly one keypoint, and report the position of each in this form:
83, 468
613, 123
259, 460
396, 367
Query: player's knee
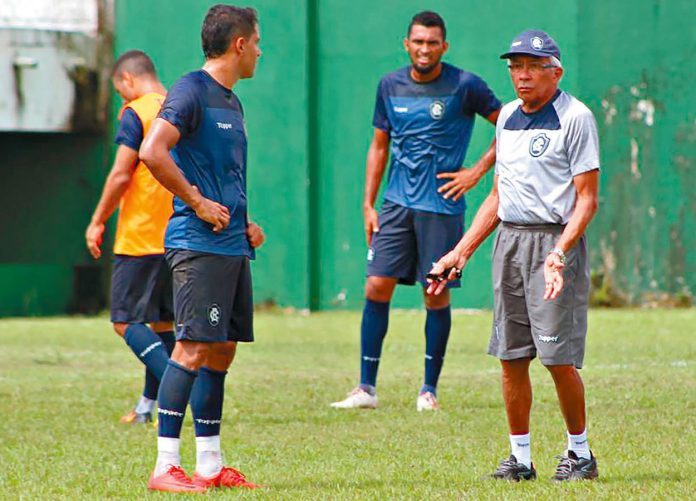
191, 354
120, 328
221, 355
561, 371
516, 368
162, 326
378, 290
437, 302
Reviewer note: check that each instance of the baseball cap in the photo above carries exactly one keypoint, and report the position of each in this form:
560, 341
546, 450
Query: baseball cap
533, 43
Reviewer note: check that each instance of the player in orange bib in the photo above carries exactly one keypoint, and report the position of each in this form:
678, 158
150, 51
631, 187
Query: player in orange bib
141, 289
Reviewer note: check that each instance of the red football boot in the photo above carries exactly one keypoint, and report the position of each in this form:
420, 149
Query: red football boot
228, 477
174, 480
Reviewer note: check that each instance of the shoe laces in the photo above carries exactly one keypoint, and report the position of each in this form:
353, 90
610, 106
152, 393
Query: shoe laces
230, 474
564, 466
179, 474
508, 463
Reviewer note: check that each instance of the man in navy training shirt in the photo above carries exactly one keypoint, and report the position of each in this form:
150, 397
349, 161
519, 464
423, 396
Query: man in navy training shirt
197, 149
424, 114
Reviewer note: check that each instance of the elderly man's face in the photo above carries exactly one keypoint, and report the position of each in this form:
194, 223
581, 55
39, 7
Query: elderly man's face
535, 79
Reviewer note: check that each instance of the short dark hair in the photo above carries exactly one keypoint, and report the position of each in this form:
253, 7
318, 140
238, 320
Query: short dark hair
429, 19
135, 62
222, 24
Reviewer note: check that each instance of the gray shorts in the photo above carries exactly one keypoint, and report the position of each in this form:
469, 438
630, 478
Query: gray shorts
523, 323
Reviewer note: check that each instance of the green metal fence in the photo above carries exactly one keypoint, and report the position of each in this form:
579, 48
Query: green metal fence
308, 115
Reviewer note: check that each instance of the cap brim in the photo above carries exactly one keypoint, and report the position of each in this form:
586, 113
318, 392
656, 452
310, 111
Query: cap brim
524, 52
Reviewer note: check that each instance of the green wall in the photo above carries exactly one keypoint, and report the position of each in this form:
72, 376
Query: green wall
308, 113
276, 109
49, 182
635, 56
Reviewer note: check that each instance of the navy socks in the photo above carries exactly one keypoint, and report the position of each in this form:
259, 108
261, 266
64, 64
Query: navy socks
151, 385
437, 330
206, 401
151, 381
148, 347
169, 341
375, 321
174, 392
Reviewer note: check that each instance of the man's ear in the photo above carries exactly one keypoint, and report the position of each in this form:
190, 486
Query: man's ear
127, 79
240, 45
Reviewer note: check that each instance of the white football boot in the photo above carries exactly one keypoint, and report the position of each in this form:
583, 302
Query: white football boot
427, 402
357, 399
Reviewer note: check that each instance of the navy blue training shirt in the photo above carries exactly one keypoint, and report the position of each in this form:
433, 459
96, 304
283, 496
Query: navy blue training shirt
211, 153
130, 130
430, 127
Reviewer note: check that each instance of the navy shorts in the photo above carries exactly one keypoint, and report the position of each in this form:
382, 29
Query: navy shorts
409, 241
141, 290
213, 300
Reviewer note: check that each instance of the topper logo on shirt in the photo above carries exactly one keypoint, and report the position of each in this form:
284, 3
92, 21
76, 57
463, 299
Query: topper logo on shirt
538, 145
437, 109
223, 125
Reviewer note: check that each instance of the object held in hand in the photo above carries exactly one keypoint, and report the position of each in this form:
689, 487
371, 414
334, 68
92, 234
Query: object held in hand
444, 275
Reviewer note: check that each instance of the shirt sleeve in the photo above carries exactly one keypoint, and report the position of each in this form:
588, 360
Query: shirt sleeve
182, 107
582, 143
380, 120
130, 130
498, 128
480, 99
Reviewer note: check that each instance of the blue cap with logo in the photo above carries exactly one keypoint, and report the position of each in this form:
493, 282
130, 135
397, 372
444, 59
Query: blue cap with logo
533, 43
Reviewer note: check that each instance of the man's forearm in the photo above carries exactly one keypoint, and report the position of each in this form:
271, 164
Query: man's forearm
114, 188
485, 221
168, 175
376, 163
487, 160
585, 209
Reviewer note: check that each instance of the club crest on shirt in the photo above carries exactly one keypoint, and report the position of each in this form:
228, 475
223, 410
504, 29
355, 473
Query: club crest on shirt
214, 314
437, 109
538, 145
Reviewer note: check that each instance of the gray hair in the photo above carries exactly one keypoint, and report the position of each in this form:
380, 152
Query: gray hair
556, 62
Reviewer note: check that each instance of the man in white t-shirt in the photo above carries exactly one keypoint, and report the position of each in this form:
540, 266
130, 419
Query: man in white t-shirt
545, 194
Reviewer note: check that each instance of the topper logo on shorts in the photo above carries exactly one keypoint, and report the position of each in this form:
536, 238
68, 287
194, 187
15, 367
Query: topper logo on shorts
370, 254
548, 339
214, 314
538, 144
437, 109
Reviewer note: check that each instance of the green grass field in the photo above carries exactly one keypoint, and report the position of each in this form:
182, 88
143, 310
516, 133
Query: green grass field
64, 383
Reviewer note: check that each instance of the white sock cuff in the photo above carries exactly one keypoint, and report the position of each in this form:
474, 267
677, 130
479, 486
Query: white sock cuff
145, 405
578, 443
168, 445
521, 440
208, 444
520, 445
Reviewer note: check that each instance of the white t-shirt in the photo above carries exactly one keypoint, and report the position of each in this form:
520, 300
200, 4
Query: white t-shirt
539, 154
